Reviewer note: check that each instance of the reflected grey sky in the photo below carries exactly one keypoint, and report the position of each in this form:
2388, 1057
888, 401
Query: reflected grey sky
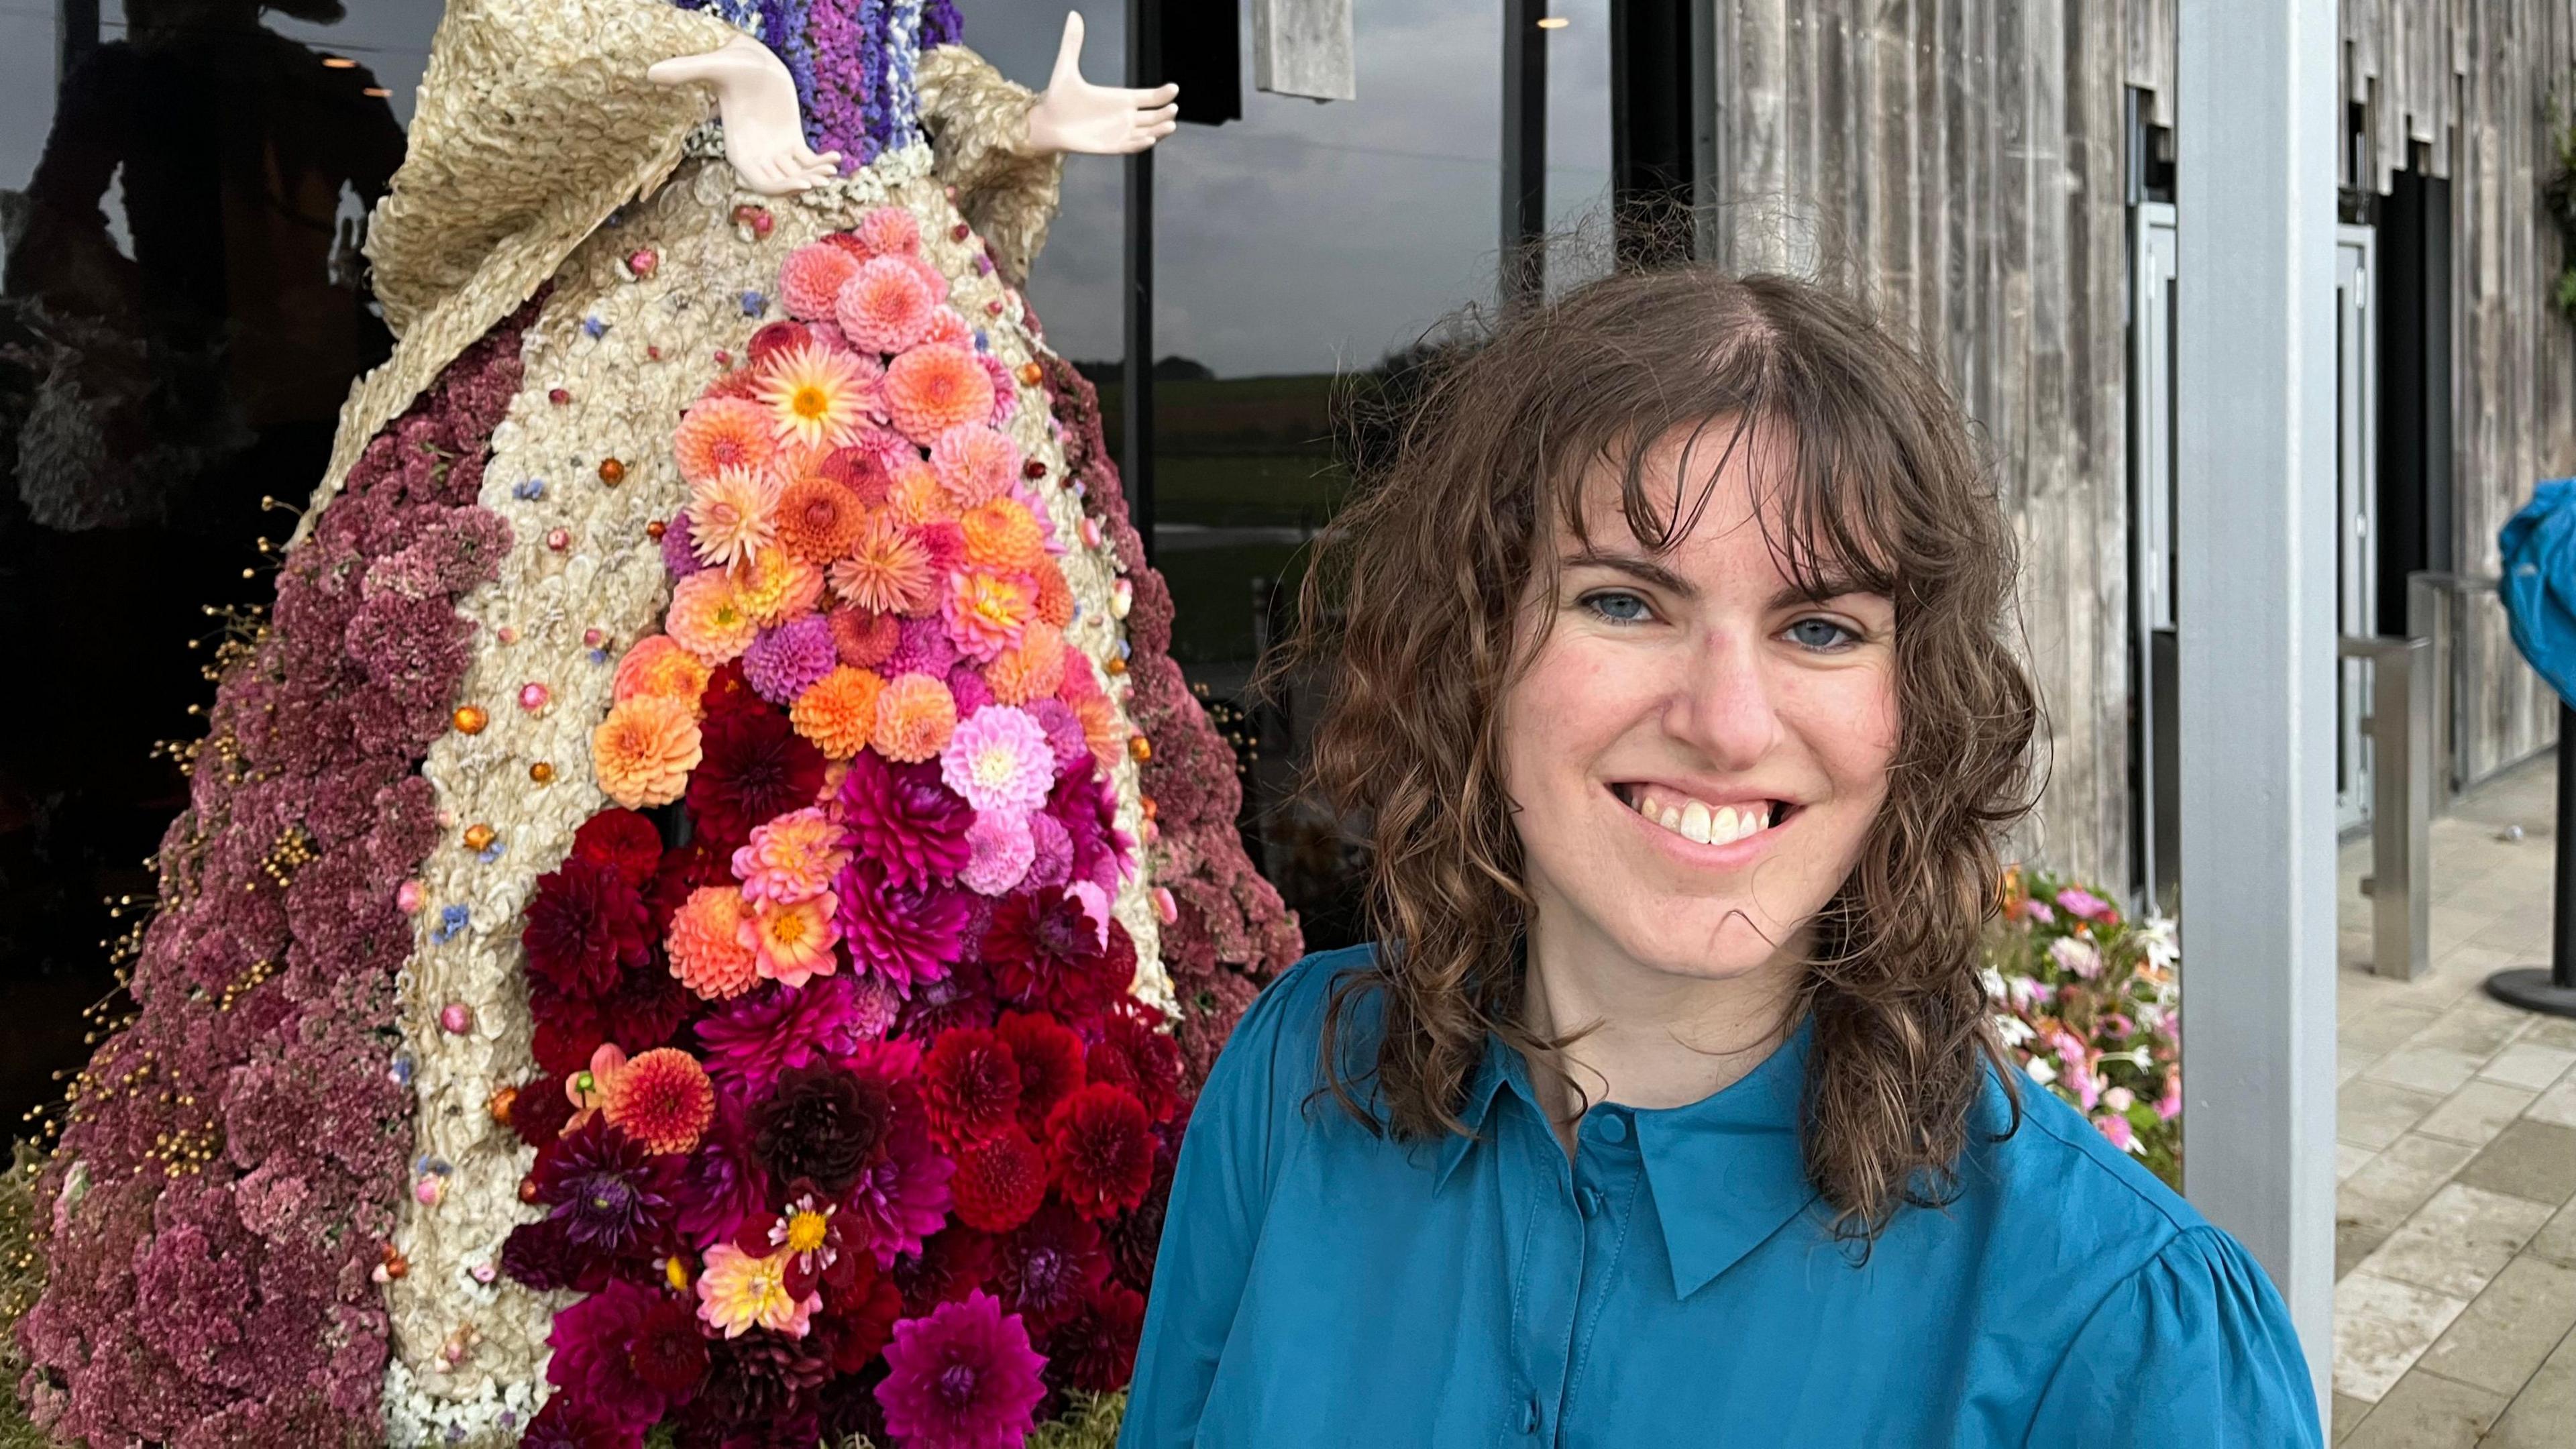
1305, 237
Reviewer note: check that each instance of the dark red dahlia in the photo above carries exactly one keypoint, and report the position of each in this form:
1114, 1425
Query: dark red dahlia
952, 1263
566, 1424
861, 1321
1134, 1236
1103, 1148
728, 691
962, 998
777, 337
822, 1123
1095, 1350
539, 1109
611, 1195
1000, 1181
543, 1256
622, 840
680, 872
668, 1352
628, 1349
586, 927
1048, 1266
903, 818
723, 1181
1046, 952
760, 1391
1133, 1054
971, 1084
756, 768
1050, 1059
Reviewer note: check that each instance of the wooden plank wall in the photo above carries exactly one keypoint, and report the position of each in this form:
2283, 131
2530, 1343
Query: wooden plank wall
1959, 163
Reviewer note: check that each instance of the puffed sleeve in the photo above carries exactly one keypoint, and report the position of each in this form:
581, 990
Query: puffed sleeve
534, 121
1220, 1192
977, 120
2194, 1348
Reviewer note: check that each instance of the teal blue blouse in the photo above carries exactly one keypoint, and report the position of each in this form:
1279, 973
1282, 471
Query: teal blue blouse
1674, 1283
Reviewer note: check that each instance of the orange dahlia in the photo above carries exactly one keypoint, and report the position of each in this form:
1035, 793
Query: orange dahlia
986, 611
707, 617
915, 716
839, 711
1102, 729
1055, 596
723, 432
643, 752
935, 387
705, 944
776, 585
1030, 669
1004, 536
816, 395
887, 570
818, 519
658, 667
662, 1099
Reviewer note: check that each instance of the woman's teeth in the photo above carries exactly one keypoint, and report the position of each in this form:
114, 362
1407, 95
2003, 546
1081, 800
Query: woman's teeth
1695, 820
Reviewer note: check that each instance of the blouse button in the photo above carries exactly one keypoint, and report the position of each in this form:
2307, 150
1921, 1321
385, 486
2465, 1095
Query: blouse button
1529, 1415
1589, 1200
1614, 1128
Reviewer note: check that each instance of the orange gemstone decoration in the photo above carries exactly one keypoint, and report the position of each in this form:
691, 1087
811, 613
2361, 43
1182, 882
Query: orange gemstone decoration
479, 835
396, 1264
1140, 747
1114, 664
611, 472
1031, 374
527, 1189
655, 529
499, 1104
1146, 804
470, 719
541, 772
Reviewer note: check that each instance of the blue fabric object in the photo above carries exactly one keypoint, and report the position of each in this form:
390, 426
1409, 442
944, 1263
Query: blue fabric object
2539, 548
1674, 1284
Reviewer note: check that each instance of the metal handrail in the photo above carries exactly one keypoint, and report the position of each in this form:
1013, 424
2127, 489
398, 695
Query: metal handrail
2400, 727
2432, 613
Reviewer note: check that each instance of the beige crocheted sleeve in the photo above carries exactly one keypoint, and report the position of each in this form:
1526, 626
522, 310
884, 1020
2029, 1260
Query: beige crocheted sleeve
535, 122
977, 120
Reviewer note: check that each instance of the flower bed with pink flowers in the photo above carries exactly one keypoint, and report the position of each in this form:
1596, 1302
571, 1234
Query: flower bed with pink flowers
2085, 1001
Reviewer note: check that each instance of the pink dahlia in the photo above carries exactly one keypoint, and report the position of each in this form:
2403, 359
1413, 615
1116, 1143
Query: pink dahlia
792, 941
792, 857
784, 662
976, 464
1004, 849
885, 305
935, 387
631, 1350
962, 1378
888, 231
733, 515
902, 817
987, 612
810, 280
1000, 760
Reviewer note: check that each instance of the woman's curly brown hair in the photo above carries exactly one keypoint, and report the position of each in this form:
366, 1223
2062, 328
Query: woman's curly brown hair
1411, 611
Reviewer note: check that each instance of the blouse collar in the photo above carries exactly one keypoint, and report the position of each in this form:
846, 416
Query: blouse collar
1726, 1171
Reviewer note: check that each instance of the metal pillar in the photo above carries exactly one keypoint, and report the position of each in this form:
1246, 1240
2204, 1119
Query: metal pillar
2553, 990
1523, 237
1136, 405
2256, 535
2400, 730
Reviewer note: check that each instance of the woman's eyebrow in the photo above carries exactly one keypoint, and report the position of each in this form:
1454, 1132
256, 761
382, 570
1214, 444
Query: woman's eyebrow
1643, 569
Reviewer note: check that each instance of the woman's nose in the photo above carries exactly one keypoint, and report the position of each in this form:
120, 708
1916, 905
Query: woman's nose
1721, 702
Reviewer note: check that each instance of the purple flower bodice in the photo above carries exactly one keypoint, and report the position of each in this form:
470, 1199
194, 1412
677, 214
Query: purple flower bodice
853, 61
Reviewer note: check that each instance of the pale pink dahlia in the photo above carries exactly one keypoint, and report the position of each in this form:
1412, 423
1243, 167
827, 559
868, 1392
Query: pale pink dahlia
791, 858
1004, 850
810, 280
1000, 760
733, 515
976, 464
885, 305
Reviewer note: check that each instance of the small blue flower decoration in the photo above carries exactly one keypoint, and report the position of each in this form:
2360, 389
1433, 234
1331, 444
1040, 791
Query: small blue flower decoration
451, 919
754, 304
491, 853
400, 1071
594, 326
529, 490
599, 656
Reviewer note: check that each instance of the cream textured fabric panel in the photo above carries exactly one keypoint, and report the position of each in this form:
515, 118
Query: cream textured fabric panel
629, 354
977, 120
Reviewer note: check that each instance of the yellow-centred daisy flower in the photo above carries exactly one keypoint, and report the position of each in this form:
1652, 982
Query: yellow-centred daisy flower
816, 395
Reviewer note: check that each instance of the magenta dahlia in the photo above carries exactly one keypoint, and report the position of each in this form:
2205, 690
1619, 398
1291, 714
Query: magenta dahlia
903, 933
756, 1037
903, 818
962, 1378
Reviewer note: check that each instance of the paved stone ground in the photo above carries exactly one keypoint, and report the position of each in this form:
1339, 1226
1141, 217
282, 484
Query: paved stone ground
2455, 1225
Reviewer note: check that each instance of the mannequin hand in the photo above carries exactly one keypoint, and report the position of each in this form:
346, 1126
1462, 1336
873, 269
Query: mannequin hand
1072, 114
764, 133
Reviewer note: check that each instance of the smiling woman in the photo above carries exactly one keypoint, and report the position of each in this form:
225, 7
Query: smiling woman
1670, 680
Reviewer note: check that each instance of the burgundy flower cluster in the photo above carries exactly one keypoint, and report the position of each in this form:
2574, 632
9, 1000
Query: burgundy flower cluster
228, 1176
1231, 932
914, 1196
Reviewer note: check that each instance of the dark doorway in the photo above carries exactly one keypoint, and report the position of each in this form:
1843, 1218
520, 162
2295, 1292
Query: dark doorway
2414, 387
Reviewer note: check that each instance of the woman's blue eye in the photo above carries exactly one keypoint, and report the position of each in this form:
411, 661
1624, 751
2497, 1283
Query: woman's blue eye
1618, 608
1822, 634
